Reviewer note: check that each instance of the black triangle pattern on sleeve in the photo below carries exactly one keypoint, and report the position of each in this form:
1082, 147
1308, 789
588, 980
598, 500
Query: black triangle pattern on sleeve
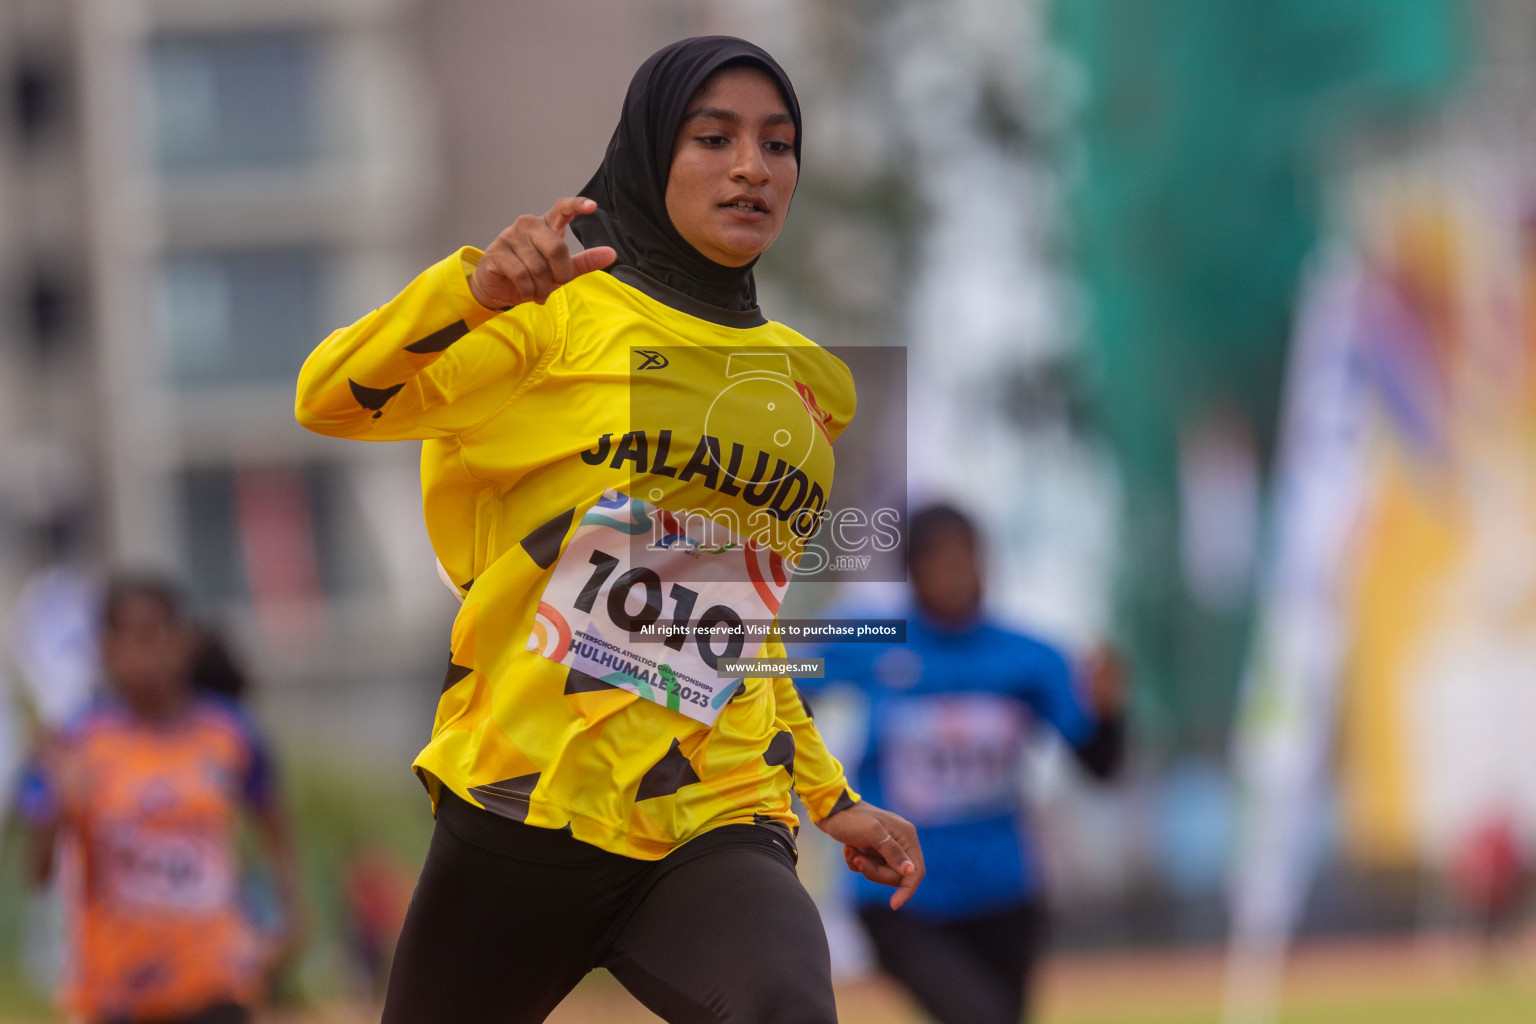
667, 776
543, 544
508, 798
437, 341
781, 751
455, 674
844, 801
373, 398
809, 711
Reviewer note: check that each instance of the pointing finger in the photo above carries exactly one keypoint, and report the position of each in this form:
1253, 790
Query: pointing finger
566, 210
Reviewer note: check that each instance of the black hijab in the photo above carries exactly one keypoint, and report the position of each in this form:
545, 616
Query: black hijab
630, 187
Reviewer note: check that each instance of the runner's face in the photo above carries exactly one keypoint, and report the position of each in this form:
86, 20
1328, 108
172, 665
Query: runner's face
147, 654
946, 577
733, 167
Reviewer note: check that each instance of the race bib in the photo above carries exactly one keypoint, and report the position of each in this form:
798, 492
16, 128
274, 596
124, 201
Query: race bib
646, 603
181, 871
951, 758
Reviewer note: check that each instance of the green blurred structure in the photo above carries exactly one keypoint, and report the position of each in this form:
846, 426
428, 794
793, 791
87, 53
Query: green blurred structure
1204, 132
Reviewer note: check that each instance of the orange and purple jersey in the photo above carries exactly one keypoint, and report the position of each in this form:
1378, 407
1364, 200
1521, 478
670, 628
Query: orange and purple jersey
151, 811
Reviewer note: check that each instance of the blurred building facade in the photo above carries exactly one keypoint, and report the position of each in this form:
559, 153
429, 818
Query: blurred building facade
204, 190
192, 195
45, 422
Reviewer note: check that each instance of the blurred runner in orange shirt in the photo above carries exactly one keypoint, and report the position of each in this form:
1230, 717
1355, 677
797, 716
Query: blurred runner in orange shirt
146, 790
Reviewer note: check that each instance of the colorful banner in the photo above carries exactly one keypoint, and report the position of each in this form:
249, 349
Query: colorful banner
1398, 616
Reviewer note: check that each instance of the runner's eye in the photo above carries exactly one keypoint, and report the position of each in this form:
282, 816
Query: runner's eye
714, 141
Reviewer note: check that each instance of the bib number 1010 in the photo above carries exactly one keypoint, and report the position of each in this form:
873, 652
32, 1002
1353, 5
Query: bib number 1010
717, 620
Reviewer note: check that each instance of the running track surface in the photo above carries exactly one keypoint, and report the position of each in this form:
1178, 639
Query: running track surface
1429, 980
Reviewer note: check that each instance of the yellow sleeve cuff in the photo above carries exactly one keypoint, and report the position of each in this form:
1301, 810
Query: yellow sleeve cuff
457, 283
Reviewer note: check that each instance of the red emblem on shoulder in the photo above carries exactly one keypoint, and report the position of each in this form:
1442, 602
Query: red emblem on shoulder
820, 418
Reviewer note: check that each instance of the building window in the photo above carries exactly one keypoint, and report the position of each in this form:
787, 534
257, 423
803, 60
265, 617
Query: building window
223, 102
38, 97
275, 535
244, 317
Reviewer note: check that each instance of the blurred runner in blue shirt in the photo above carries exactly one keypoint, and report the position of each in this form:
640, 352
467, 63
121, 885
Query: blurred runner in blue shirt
950, 712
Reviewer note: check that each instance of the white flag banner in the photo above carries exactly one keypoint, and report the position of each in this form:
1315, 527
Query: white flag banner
1291, 683
53, 641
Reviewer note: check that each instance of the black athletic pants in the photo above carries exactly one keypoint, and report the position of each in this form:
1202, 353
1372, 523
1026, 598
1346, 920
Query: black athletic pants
973, 971
507, 918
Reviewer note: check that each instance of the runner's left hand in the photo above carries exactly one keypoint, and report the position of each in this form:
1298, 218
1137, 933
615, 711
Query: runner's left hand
879, 845
1108, 680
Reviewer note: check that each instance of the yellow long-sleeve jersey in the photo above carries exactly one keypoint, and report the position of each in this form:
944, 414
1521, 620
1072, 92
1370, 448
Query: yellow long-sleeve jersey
618, 491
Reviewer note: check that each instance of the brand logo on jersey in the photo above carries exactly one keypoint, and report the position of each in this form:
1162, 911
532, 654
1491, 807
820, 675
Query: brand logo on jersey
653, 360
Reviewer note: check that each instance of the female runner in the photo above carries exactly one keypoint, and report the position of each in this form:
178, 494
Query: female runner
951, 712
618, 469
147, 788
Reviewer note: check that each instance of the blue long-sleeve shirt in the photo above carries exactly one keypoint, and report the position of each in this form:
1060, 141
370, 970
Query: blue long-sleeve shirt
949, 715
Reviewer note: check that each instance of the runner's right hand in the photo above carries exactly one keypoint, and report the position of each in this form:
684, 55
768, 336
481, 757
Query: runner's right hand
1108, 680
879, 845
530, 259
